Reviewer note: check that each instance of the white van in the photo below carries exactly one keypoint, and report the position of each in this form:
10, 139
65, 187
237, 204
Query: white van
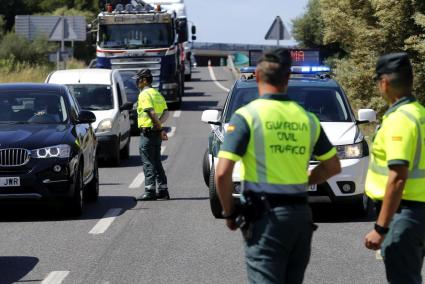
102, 92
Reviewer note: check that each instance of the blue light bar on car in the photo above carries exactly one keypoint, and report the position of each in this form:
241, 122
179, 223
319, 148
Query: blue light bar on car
249, 69
309, 69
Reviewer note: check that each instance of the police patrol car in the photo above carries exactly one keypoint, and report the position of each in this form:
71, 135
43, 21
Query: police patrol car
313, 89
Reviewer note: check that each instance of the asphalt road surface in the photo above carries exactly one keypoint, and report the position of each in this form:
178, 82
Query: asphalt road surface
178, 241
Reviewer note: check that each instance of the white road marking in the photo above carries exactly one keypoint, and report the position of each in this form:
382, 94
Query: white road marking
55, 277
172, 131
177, 113
215, 80
162, 149
105, 222
138, 180
378, 255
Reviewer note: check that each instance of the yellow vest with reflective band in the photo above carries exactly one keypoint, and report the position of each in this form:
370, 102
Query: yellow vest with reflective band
406, 123
149, 98
282, 138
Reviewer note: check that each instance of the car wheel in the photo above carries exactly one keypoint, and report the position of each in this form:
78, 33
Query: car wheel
215, 204
116, 156
188, 77
206, 168
75, 203
91, 191
363, 206
125, 152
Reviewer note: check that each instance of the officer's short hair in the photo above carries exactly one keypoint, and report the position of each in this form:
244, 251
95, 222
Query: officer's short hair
273, 66
397, 68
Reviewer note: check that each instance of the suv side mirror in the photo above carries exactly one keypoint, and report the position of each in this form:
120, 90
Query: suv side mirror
366, 115
211, 116
126, 106
86, 116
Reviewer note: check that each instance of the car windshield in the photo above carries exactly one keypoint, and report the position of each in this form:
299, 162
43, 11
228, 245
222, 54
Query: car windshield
19, 107
93, 97
131, 90
326, 102
132, 36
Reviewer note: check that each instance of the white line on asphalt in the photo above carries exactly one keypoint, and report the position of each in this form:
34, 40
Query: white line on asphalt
215, 80
172, 131
177, 113
105, 222
55, 277
137, 182
162, 149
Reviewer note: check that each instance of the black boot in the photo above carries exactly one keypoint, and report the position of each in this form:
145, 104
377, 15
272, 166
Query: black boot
147, 196
163, 194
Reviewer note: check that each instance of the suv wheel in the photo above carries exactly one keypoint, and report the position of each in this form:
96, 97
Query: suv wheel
91, 191
75, 203
206, 167
215, 204
363, 205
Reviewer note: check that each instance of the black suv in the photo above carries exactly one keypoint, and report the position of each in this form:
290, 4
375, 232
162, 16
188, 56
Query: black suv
47, 146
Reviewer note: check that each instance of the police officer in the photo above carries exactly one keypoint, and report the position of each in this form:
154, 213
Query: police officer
396, 175
274, 175
152, 113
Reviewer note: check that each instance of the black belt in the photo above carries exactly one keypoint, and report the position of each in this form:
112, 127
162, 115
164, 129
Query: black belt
147, 130
275, 200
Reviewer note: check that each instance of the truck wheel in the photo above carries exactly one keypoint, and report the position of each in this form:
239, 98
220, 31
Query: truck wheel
206, 168
215, 204
91, 191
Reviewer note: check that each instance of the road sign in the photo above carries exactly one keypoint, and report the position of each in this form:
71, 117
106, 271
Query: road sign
277, 31
56, 28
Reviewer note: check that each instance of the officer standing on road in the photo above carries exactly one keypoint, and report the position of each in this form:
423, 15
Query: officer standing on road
152, 113
396, 176
275, 139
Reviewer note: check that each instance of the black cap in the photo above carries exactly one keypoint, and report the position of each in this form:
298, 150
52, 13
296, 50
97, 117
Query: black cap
279, 55
143, 73
394, 63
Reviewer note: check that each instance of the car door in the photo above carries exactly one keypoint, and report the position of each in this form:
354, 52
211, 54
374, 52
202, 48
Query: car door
85, 139
124, 117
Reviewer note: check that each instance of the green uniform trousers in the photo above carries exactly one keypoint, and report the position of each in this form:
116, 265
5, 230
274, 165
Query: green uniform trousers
403, 248
278, 250
150, 152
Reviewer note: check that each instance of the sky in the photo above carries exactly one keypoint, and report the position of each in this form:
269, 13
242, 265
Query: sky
241, 21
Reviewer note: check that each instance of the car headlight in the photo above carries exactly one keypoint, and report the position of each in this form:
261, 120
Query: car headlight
104, 126
352, 151
59, 151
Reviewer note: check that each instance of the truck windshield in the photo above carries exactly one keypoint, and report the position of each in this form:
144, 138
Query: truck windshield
131, 36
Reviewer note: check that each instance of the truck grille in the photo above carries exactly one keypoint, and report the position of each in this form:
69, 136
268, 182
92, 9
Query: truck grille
14, 157
153, 63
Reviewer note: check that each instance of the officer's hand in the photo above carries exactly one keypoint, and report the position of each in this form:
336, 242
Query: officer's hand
231, 224
373, 240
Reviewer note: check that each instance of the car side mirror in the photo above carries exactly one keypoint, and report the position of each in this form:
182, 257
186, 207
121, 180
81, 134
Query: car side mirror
86, 116
211, 116
126, 106
366, 116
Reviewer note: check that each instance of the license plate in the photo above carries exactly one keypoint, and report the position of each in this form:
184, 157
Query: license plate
10, 181
312, 187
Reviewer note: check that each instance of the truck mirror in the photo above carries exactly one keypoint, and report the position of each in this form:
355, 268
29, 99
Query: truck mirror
193, 37
193, 30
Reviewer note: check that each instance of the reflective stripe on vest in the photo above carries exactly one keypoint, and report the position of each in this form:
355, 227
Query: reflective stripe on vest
415, 172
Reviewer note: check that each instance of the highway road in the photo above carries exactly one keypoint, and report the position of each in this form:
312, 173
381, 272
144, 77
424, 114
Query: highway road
178, 241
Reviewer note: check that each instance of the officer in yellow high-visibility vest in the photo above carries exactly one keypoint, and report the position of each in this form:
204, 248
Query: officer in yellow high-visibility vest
396, 176
274, 174
152, 113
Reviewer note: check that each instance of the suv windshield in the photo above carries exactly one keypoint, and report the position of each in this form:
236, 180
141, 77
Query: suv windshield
33, 108
327, 103
93, 97
135, 36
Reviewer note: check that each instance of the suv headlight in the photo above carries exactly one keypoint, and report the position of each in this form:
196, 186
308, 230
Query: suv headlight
59, 151
351, 151
104, 126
